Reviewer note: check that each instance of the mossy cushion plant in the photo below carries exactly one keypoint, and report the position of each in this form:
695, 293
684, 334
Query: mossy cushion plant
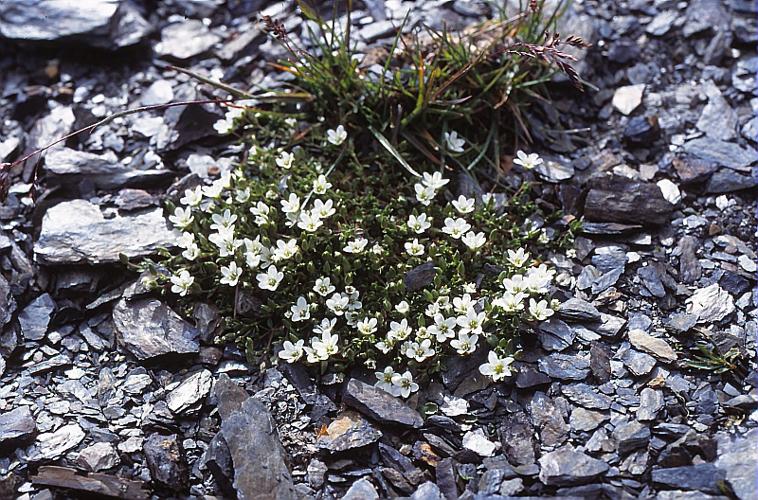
334, 244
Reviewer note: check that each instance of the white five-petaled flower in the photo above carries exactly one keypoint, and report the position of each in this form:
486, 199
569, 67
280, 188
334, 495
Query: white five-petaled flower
402, 307
528, 161
464, 344
367, 326
270, 279
518, 258
434, 181
285, 159
540, 310
424, 193
230, 274
336, 136
323, 209
325, 346
321, 185
291, 352
454, 142
192, 197
420, 351
323, 286
414, 248
443, 328
515, 284
384, 381
471, 322
285, 249
463, 304
399, 331
537, 279
291, 205
223, 221
192, 251
182, 282
464, 205
309, 221
355, 246
404, 384
225, 241
261, 211
182, 217
338, 303
455, 227
301, 310
326, 326
510, 302
496, 367
474, 240
419, 224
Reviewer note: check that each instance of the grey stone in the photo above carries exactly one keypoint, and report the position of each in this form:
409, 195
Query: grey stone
189, 395
427, 491
718, 119
662, 22
553, 171
52, 445
630, 435
576, 309
555, 335
681, 322
75, 232
729, 181
165, 458
420, 277
689, 265
69, 167
511, 487
218, 460
619, 199
159, 92
380, 405
97, 457
659, 348
35, 317
564, 366
651, 281
584, 395
722, 153
737, 457
585, 420
702, 477
348, 431
517, 438
565, 467
651, 403
362, 489
548, 419
185, 40
89, 485
16, 426
148, 328
637, 362
627, 99
710, 304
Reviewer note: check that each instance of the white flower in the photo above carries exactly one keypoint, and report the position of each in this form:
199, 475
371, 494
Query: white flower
434, 181
325, 346
404, 384
261, 211
285, 249
518, 258
384, 381
455, 227
338, 303
182, 282
291, 352
242, 195
192, 197
419, 224
355, 246
471, 322
336, 136
321, 185
284, 160
186, 240
231, 274
192, 252
515, 284
323, 286
463, 304
225, 221
217, 187
403, 307
414, 248
510, 302
225, 241
291, 205
367, 326
464, 205
326, 326
469, 287
474, 240
443, 328
528, 161
309, 221
385, 347
454, 143
538, 279
399, 331
270, 279
301, 310
496, 367
540, 310
377, 249
323, 209
424, 194
182, 217
420, 351
465, 343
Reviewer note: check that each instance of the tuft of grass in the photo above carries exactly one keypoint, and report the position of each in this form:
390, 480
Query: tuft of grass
706, 356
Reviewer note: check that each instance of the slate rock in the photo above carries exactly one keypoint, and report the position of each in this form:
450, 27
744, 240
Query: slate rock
729, 181
16, 426
35, 317
737, 457
380, 405
52, 445
651, 403
627, 99
109, 24
517, 438
76, 232
564, 366
651, 281
548, 419
733, 283
565, 467
185, 40
619, 199
260, 470
657, 347
585, 420
630, 436
148, 329
637, 362
710, 304
427, 491
722, 153
348, 431
704, 477
420, 277
555, 335
68, 168
577, 309
165, 458
159, 92
362, 489
188, 395
98, 457
218, 460
89, 485
642, 130
689, 265
584, 395
693, 170
718, 119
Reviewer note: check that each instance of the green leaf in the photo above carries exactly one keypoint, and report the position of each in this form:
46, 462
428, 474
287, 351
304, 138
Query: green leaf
394, 152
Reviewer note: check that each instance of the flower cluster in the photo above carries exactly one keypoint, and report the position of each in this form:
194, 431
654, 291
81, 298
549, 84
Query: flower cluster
344, 270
